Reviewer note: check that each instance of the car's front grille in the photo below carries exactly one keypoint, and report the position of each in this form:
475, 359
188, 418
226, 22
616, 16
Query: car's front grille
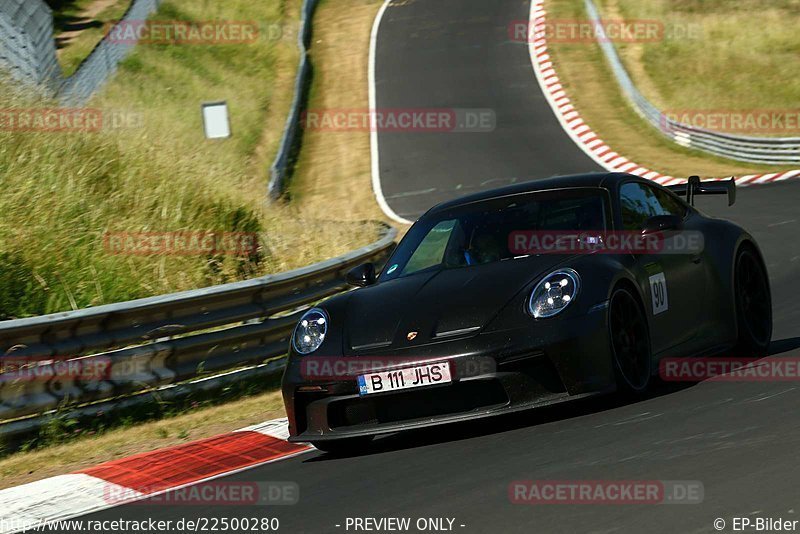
456, 398
538, 368
360, 413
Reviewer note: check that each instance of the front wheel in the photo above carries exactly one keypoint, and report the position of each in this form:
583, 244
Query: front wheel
344, 446
630, 342
753, 304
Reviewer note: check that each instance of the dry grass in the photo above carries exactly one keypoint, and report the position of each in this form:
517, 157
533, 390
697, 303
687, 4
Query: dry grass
333, 171
590, 84
26, 467
80, 25
165, 175
716, 54
65, 190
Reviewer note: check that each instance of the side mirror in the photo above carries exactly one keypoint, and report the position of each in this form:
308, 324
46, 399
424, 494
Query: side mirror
662, 223
361, 276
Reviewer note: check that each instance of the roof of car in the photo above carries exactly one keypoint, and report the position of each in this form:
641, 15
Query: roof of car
594, 179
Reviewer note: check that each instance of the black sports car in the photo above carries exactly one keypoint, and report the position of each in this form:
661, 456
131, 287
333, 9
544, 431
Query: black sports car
524, 296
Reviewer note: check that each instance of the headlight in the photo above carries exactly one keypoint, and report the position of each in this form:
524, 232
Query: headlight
310, 331
554, 293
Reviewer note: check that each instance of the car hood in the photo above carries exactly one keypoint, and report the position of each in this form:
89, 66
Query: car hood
438, 305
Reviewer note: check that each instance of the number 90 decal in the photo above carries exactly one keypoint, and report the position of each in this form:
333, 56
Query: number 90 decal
658, 292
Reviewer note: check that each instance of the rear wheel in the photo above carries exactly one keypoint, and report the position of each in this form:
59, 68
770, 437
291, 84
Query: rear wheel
753, 304
630, 342
344, 446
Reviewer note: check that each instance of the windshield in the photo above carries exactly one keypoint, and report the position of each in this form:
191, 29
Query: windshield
478, 233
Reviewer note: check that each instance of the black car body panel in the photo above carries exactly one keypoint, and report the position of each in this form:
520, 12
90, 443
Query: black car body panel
503, 359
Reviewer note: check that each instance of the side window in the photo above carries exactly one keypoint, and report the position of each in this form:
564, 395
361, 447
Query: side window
672, 205
638, 203
431, 250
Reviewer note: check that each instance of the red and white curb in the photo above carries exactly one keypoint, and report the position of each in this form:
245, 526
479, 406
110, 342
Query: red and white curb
144, 475
580, 132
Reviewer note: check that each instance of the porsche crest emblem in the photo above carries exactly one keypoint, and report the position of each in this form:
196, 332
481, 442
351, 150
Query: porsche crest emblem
411, 335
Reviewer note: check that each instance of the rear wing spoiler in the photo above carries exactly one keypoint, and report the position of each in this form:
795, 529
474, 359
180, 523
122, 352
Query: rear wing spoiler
714, 187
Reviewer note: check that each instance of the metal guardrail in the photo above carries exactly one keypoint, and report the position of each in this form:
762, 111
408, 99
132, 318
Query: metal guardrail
150, 346
27, 49
167, 346
280, 167
764, 150
102, 62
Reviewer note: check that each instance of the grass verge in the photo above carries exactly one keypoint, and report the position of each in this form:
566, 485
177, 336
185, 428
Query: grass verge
335, 170
333, 173
79, 25
65, 191
715, 54
591, 86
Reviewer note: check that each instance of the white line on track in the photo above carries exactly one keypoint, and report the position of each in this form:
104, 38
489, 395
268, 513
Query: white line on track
413, 193
781, 223
377, 189
763, 397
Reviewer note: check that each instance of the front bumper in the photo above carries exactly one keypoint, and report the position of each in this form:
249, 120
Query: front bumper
493, 373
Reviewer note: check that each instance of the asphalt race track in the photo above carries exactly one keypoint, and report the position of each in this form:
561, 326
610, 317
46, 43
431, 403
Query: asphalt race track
444, 54
739, 439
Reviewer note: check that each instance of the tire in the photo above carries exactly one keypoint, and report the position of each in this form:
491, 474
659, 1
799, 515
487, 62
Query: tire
753, 304
630, 342
344, 446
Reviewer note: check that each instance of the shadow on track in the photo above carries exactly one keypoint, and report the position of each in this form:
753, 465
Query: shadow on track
499, 424
452, 432
784, 345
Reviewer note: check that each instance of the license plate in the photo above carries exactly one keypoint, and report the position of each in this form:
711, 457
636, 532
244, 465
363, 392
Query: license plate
405, 378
